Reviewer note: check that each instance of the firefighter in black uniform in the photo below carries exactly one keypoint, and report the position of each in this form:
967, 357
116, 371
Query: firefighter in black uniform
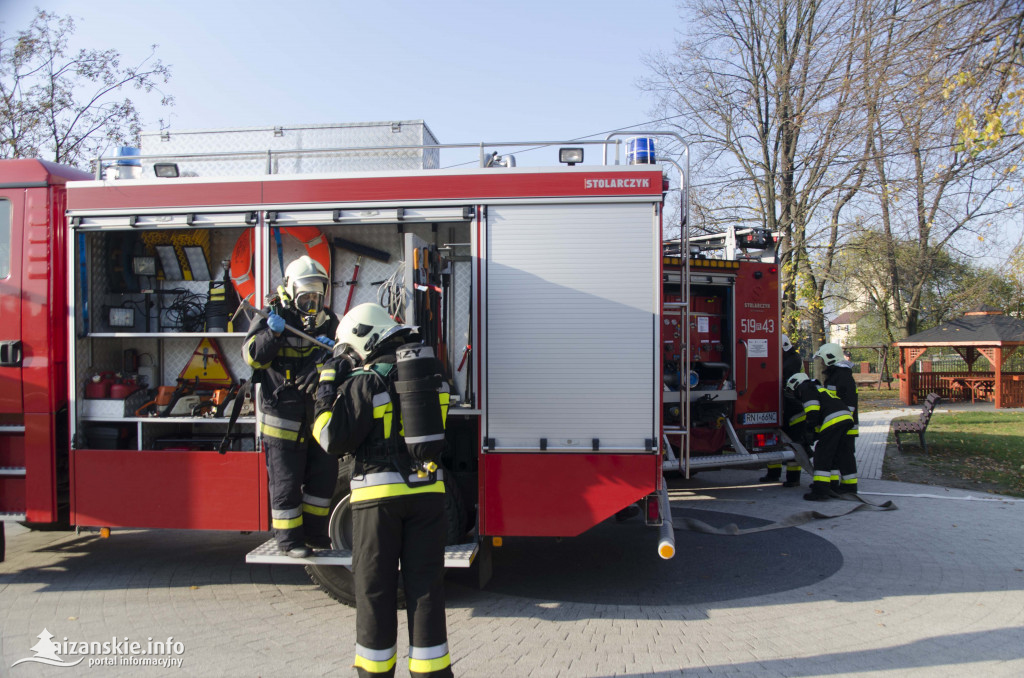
366, 406
301, 475
792, 418
830, 419
839, 380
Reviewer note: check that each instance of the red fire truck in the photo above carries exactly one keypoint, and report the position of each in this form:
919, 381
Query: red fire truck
587, 355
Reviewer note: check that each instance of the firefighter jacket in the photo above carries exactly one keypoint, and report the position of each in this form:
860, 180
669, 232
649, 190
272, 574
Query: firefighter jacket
284, 363
822, 407
791, 364
839, 380
363, 419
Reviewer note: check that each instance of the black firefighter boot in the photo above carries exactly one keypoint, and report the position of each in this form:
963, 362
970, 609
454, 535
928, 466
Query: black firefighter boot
792, 477
820, 491
772, 475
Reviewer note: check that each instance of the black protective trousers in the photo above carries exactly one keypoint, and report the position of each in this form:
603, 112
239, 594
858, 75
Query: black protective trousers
410, 529
826, 453
846, 460
301, 479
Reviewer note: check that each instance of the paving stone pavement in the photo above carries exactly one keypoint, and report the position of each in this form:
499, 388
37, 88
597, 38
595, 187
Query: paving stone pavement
871, 443
935, 588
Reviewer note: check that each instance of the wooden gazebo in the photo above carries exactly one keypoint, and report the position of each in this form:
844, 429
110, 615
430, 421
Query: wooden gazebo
984, 332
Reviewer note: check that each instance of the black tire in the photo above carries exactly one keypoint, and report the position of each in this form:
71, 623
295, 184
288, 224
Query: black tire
336, 580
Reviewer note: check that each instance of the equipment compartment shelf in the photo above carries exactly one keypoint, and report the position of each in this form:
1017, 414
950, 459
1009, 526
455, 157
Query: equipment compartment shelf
165, 335
170, 420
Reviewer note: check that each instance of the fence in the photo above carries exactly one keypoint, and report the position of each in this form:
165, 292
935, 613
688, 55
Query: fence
923, 383
952, 362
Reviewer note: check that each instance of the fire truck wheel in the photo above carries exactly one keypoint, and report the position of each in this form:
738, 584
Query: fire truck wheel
336, 580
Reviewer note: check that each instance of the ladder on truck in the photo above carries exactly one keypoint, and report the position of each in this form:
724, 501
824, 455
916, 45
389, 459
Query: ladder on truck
734, 243
7, 432
16, 474
672, 460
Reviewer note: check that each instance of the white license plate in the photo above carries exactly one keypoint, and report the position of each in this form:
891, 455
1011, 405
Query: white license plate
750, 418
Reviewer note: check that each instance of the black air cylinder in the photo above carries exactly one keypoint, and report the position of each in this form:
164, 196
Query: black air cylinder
418, 386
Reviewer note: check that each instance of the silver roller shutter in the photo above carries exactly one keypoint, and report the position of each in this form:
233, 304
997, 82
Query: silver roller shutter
570, 337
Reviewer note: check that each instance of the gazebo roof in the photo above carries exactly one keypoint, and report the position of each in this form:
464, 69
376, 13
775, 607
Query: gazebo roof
982, 327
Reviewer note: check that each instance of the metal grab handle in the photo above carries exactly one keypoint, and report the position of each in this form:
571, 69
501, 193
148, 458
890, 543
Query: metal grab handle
10, 353
746, 367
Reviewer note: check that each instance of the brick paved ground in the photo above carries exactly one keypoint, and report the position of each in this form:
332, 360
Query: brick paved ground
935, 588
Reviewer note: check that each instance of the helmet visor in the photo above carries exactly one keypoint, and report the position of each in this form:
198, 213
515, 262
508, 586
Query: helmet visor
309, 302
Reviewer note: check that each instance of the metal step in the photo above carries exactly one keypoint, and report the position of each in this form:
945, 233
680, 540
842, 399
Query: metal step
456, 555
12, 470
717, 460
10, 517
12, 430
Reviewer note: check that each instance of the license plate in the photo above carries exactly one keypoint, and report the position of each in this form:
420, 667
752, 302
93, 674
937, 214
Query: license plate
750, 418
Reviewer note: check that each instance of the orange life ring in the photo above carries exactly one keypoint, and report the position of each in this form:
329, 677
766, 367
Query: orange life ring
242, 276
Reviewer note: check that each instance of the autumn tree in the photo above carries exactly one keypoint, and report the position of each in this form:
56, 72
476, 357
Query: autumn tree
68, 105
763, 91
930, 197
827, 120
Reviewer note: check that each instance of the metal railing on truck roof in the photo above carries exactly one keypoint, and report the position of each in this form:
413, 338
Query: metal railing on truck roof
485, 159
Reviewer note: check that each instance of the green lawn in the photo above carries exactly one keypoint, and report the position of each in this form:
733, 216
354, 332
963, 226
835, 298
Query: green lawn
985, 446
870, 399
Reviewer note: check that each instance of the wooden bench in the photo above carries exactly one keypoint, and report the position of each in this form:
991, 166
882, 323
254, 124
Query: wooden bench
918, 426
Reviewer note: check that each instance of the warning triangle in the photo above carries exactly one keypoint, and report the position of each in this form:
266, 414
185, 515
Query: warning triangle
207, 367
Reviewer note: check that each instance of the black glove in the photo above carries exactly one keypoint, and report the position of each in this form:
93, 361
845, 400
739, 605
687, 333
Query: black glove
333, 373
308, 382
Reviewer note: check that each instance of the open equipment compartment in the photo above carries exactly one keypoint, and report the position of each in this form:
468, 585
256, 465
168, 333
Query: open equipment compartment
142, 320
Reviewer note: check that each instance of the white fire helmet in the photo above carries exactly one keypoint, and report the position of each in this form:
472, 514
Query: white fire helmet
796, 380
830, 354
786, 343
306, 284
365, 327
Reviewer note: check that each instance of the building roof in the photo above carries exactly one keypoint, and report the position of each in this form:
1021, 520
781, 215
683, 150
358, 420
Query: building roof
847, 318
972, 330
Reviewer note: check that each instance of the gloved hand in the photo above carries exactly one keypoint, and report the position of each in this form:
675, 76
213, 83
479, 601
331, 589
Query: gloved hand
324, 339
308, 383
333, 373
275, 322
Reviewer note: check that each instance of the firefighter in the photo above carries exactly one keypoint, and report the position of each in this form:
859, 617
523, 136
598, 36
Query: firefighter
830, 419
301, 475
364, 407
839, 380
792, 418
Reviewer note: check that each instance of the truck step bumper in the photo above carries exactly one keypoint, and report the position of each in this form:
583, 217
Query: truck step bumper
718, 460
456, 555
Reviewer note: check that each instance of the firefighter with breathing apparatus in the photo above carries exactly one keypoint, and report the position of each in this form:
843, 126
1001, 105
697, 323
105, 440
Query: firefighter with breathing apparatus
382, 399
839, 379
301, 475
830, 419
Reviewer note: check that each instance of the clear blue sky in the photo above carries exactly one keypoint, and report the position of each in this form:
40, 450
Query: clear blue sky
474, 70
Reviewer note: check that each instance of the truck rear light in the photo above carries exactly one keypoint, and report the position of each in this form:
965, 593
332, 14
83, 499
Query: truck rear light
652, 514
763, 440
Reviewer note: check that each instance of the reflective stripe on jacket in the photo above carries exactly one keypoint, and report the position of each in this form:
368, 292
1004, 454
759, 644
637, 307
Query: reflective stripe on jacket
391, 484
